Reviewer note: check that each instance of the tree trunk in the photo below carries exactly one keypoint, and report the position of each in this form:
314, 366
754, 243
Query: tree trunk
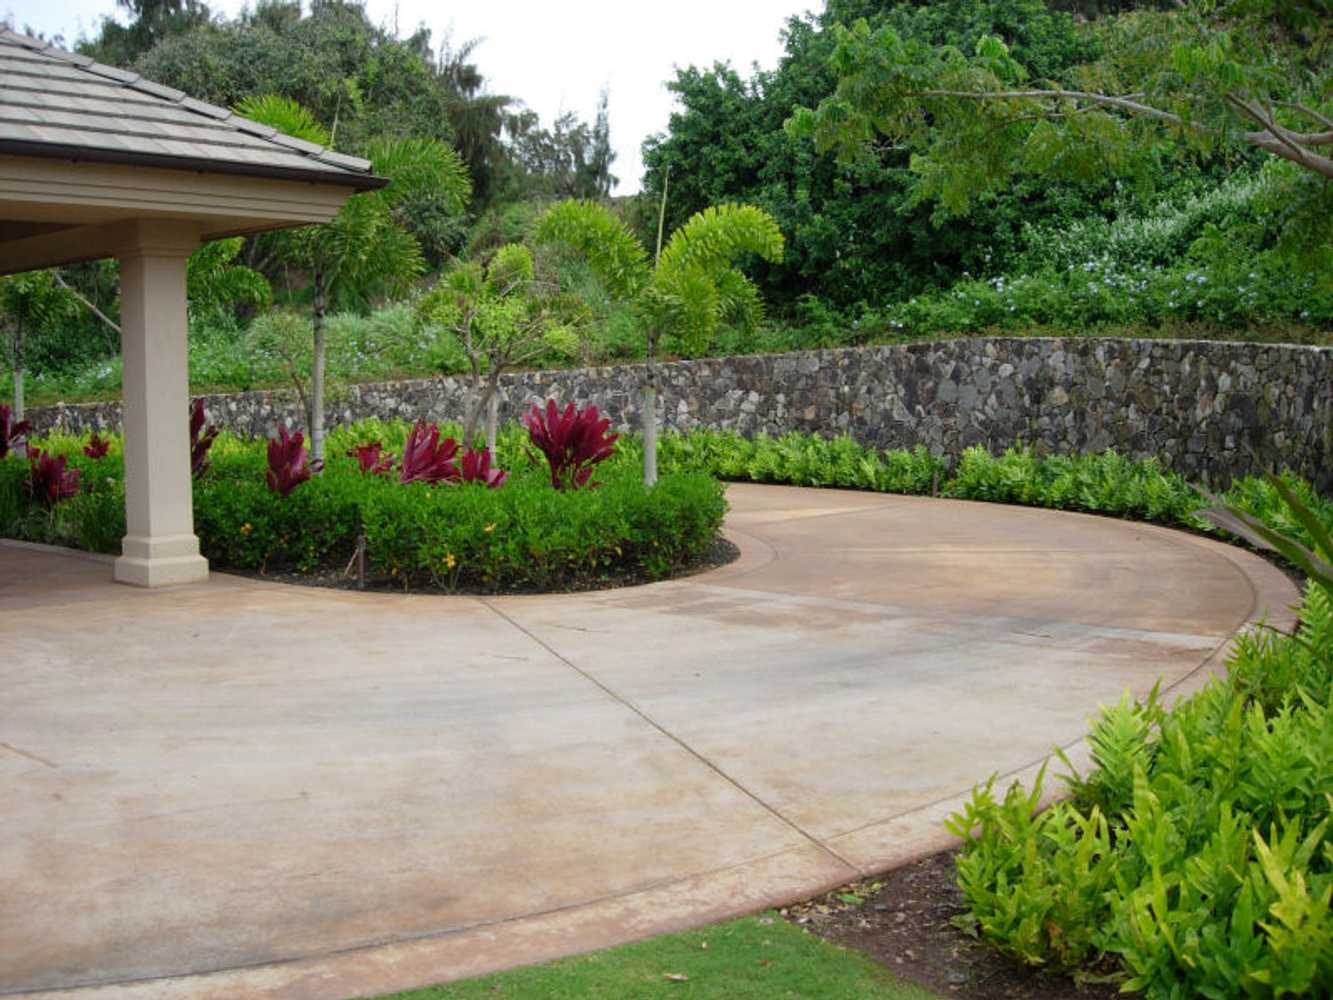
649, 417
493, 419
317, 377
21, 448
475, 407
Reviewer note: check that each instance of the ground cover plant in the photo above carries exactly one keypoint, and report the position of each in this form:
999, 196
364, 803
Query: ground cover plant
440, 516
755, 958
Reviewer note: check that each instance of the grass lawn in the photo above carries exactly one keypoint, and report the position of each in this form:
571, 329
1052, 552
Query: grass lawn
755, 958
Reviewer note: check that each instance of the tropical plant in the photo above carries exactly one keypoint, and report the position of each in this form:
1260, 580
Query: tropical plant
288, 465
426, 458
573, 441
366, 250
32, 302
476, 468
690, 290
202, 436
502, 316
97, 446
49, 481
372, 459
13, 432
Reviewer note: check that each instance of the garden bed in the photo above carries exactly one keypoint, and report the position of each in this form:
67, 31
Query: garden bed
454, 536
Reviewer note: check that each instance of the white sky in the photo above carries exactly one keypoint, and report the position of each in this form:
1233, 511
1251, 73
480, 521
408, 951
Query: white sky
555, 56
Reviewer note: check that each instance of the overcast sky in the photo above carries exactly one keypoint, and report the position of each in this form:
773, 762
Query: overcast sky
556, 56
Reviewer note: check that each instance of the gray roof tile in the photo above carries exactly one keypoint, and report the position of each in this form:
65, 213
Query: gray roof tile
61, 104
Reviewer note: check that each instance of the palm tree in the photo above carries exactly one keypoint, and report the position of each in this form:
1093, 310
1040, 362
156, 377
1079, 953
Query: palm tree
35, 301
365, 251
689, 291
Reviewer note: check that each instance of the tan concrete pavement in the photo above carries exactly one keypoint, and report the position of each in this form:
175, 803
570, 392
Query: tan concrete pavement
245, 789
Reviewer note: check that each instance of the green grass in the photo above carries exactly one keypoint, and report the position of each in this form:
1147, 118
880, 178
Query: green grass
755, 958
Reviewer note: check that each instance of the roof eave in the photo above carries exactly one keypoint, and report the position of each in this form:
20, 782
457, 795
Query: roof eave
57, 151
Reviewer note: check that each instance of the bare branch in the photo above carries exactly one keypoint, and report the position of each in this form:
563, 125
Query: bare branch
91, 308
1102, 100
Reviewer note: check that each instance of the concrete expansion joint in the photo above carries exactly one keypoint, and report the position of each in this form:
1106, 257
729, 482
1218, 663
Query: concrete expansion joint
701, 758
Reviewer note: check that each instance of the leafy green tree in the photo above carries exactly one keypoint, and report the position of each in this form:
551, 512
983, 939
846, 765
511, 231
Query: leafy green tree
1240, 75
572, 159
32, 302
365, 251
854, 232
502, 316
152, 21
688, 292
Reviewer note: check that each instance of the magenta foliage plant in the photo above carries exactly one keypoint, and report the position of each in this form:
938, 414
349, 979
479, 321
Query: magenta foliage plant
477, 469
371, 459
573, 441
201, 439
97, 446
11, 432
288, 465
49, 481
427, 459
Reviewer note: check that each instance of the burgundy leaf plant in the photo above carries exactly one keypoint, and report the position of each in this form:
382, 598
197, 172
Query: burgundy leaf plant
573, 441
97, 446
288, 467
427, 459
370, 458
477, 469
11, 433
201, 439
49, 481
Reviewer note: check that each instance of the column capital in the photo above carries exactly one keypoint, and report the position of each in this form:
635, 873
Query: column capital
156, 238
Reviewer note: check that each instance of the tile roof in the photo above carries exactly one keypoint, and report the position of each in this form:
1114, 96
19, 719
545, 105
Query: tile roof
59, 104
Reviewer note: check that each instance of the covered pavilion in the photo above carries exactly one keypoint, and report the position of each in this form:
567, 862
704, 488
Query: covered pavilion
98, 162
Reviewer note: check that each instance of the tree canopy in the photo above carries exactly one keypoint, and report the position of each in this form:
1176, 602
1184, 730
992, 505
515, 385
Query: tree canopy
1235, 77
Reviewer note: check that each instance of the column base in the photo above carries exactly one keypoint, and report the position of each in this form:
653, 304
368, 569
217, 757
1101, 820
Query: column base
161, 562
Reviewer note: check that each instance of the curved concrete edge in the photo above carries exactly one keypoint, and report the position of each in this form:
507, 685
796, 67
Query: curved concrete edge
777, 880
797, 874
903, 839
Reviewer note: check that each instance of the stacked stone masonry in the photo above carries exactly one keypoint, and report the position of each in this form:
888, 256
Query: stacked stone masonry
1209, 410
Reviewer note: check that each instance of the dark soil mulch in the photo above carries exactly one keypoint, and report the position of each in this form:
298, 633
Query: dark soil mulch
905, 920
720, 553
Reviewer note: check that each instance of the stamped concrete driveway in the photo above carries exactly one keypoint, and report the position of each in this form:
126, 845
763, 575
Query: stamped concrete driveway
244, 789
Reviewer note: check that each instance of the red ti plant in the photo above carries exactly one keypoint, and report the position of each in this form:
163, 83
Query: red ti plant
201, 439
477, 469
48, 479
427, 459
11, 433
572, 441
97, 446
369, 457
287, 465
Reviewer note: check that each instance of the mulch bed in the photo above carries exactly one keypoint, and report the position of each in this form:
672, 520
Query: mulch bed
904, 919
720, 553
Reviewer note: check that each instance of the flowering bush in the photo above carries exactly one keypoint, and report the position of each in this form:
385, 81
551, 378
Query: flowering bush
573, 441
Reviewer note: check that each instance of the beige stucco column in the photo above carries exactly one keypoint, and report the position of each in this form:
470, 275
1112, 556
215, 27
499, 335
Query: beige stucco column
160, 547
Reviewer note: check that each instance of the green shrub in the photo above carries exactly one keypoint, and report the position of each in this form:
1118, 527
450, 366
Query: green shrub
1196, 851
465, 536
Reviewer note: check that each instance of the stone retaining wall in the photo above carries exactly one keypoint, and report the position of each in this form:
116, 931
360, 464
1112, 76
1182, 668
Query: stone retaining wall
1209, 410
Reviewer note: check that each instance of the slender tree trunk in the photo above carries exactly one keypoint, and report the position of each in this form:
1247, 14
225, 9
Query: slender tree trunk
493, 418
21, 448
475, 405
317, 375
649, 417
